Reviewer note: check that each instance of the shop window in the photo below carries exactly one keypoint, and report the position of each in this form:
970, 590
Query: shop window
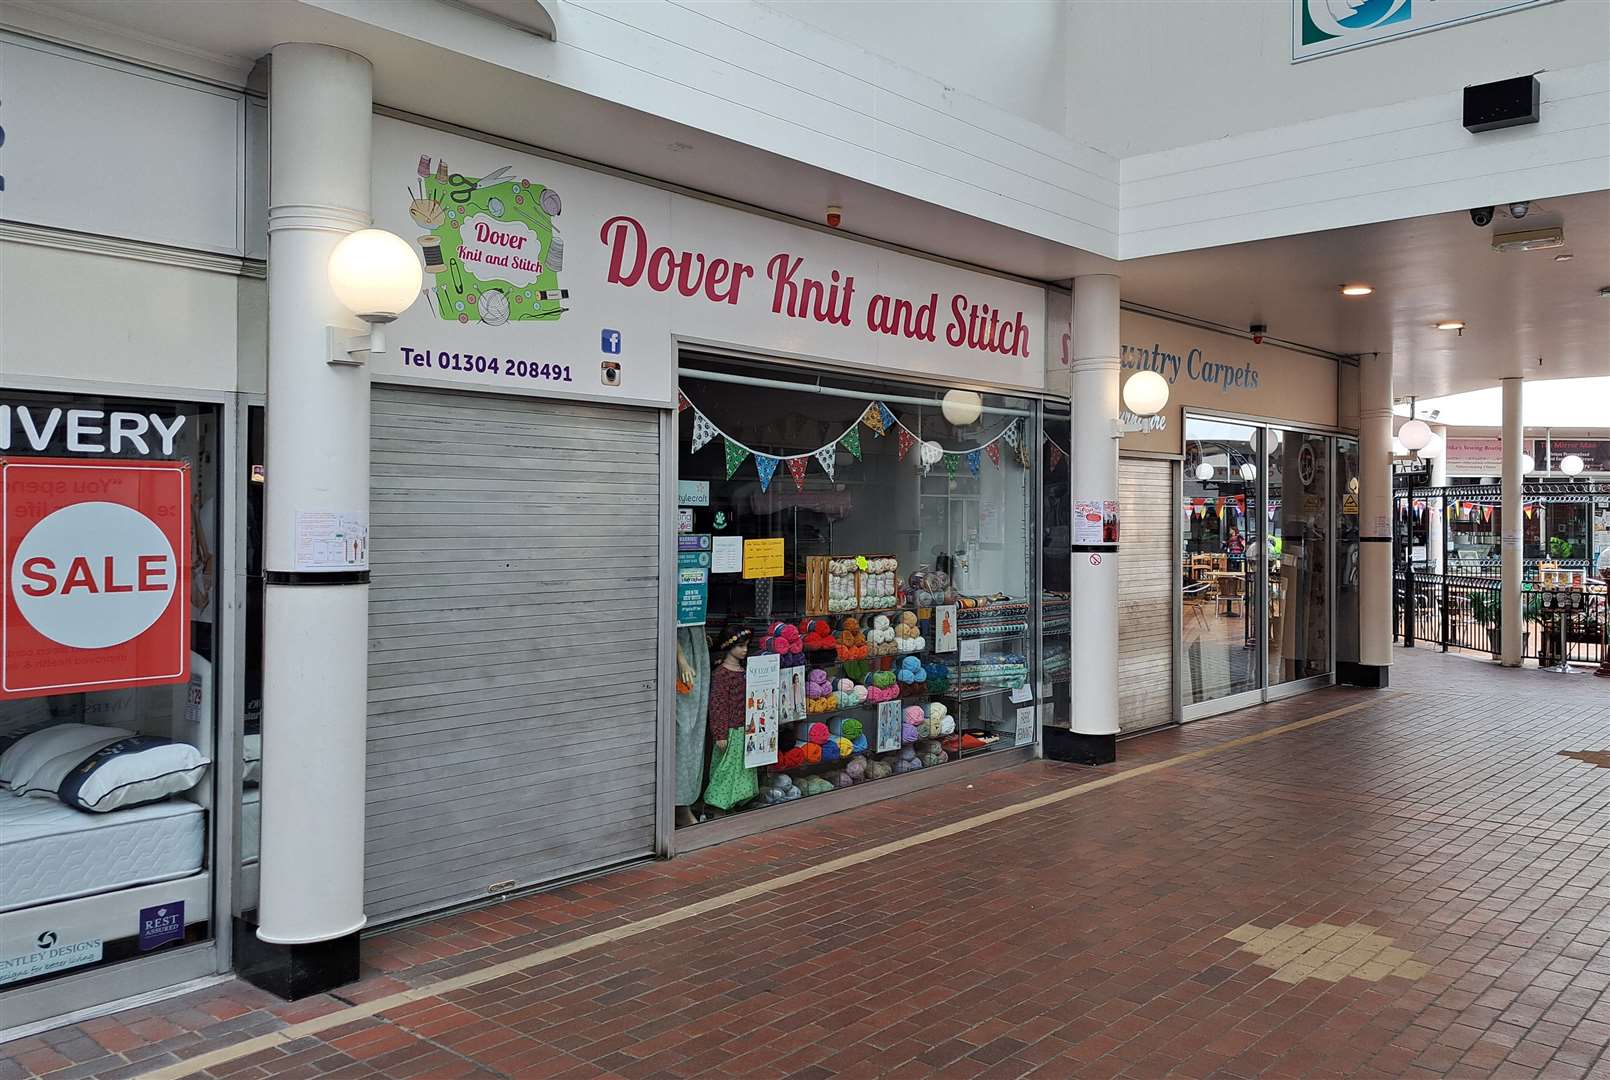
107, 683
856, 571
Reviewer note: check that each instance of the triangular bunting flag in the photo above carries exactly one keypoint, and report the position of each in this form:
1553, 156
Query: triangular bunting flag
1010, 434
796, 469
825, 457
973, 459
888, 417
682, 402
873, 418
994, 452
765, 466
852, 442
907, 441
703, 430
950, 466
1056, 455
735, 456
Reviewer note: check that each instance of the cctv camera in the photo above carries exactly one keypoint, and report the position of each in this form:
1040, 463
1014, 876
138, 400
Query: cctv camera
1481, 216
1518, 210
1257, 330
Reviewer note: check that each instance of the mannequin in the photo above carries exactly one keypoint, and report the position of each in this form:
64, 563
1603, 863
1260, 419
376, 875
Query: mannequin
731, 783
693, 672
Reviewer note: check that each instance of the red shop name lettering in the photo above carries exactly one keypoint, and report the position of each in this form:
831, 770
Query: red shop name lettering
798, 295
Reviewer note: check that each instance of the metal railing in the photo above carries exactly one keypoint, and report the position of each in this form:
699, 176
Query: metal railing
1461, 612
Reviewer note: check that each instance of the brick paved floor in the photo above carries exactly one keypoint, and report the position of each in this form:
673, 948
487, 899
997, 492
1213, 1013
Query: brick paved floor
1417, 886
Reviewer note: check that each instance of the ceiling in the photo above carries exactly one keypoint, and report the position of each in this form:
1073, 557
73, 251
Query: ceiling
1527, 314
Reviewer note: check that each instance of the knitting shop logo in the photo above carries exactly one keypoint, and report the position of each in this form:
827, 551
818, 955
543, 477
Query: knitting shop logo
1329, 20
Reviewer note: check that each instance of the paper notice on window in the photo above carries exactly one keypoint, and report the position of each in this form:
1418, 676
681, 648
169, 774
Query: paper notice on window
331, 540
945, 628
761, 709
1022, 693
728, 557
888, 726
969, 650
1025, 726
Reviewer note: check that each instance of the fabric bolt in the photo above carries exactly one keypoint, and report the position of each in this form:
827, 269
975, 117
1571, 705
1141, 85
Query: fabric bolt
691, 711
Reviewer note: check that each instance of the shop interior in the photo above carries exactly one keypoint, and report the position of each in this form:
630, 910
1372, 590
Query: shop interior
863, 550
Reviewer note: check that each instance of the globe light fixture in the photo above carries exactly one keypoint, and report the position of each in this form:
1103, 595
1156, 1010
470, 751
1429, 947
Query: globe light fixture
376, 275
1433, 448
1249, 471
1571, 465
961, 407
1145, 393
932, 452
1398, 449
1528, 463
1204, 471
1414, 434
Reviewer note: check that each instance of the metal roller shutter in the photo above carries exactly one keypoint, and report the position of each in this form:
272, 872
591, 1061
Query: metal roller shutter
1148, 581
512, 644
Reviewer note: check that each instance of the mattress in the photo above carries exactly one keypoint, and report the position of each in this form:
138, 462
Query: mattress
251, 824
50, 852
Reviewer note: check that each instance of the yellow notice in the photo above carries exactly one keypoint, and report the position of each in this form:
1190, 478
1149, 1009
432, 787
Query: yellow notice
763, 558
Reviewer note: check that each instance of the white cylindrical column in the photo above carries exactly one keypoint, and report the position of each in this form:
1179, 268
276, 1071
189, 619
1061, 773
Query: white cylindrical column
1510, 544
1436, 512
1093, 476
1375, 522
315, 626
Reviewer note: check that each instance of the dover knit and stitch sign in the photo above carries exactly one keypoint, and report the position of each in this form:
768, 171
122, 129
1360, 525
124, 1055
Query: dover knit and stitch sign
92, 557
547, 279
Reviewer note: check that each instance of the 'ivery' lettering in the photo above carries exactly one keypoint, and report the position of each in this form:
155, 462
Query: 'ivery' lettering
88, 431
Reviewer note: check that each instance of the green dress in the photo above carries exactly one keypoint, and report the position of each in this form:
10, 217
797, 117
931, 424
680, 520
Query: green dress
730, 782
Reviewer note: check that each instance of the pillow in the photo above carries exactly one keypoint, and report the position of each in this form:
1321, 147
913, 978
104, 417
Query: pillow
46, 780
129, 772
252, 753
23, 757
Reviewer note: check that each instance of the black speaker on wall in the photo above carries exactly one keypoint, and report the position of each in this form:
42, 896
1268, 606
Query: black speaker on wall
1501, 104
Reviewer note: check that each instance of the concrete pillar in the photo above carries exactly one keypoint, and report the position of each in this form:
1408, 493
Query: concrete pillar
1509, 622
1436, 512
1375, 525
1093, 474
315, 624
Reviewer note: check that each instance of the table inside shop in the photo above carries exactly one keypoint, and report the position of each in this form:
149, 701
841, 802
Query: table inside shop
1227, 600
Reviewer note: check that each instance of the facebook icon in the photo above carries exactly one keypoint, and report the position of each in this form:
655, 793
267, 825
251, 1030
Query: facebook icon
610, 342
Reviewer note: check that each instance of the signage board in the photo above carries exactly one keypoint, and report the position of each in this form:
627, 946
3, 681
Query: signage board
548, 279
93, 556
1322, 27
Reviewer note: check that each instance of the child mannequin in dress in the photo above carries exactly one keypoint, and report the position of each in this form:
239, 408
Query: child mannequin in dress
731, 783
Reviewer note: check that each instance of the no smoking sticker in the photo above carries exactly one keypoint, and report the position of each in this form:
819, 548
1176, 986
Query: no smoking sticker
93, 561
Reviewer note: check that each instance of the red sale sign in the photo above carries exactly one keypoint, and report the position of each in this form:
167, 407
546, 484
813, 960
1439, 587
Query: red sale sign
94, 563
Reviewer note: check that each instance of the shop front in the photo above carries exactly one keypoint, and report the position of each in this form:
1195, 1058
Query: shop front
677, 512
1258, 547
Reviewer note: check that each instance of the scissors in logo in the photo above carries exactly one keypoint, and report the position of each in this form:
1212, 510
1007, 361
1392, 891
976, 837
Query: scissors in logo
464, 186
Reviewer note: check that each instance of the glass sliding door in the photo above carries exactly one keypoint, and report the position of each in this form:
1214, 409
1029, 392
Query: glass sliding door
1344, 501
1299, 547
1222, 525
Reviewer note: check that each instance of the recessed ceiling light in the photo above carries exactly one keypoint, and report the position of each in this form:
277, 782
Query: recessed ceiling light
1357, 290
1567, 257
1450, 324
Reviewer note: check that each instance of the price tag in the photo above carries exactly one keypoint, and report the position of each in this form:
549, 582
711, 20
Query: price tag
1022, 694
1025, 726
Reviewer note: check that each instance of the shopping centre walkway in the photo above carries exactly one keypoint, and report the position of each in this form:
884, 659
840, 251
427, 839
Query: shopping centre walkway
1406, 883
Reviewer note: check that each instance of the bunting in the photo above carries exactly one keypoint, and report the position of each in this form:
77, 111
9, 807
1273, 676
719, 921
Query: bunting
824, 457
766, 466
852, 442
1009, 433
736, 452
994, 453
796, 469
888, 417
873, 417
908, 440
703, 430
974, 458
682, 402
950, 466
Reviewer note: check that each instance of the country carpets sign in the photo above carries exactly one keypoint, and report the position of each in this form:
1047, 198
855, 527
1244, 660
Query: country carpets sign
1322, 27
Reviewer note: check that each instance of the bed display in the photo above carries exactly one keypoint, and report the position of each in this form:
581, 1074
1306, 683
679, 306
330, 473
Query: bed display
52, 852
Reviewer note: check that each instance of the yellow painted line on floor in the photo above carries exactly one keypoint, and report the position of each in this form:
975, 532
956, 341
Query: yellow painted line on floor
304, 1028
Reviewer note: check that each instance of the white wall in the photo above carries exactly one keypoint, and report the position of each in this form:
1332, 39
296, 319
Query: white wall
1011, 55
1149, 76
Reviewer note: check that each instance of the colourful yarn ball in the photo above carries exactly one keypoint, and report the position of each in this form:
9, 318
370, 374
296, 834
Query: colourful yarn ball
908, 733
818, 733
830, 750
846, 748
859, 745
813, 753
851, 728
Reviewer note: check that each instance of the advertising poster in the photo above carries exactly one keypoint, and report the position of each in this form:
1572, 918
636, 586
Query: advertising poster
693, 493
1087, 521
331, 541
945, 628
793, 695
761, 679
94, 556
692, 579
888, 725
